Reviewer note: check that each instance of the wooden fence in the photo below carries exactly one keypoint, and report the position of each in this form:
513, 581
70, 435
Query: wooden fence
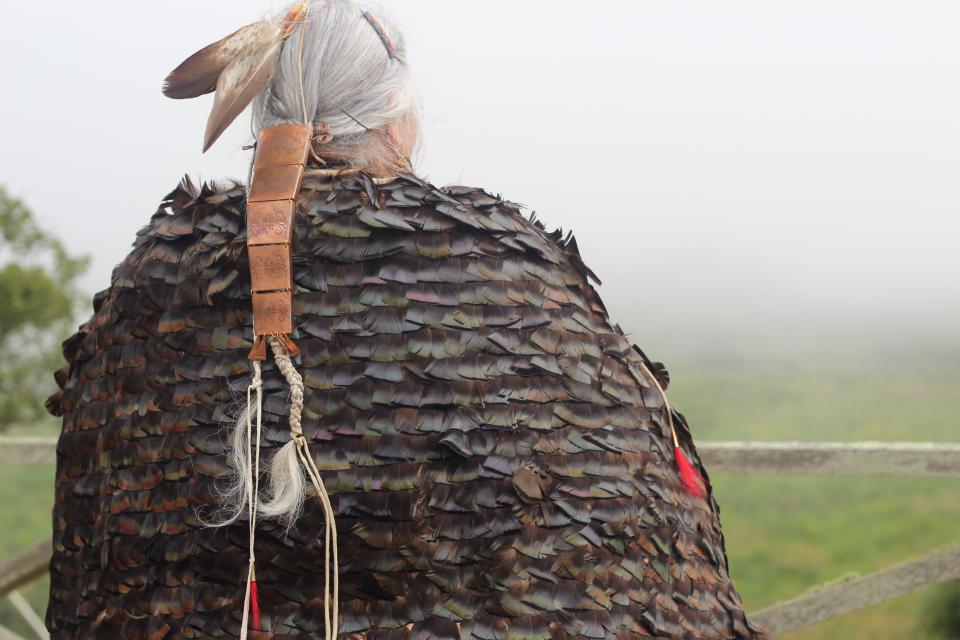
739, 458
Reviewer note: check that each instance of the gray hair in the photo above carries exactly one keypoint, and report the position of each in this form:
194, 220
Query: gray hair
335, 69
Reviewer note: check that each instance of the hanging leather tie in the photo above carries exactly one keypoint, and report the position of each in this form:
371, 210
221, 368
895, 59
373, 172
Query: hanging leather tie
271, 207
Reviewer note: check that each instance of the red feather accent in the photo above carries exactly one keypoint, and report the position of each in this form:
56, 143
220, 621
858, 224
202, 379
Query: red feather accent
254, 605
688, 475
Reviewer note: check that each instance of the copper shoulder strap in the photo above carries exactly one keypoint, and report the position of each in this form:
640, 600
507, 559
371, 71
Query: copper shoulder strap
271, 206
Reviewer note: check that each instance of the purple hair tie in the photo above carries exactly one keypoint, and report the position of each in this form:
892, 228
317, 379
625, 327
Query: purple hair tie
387, 42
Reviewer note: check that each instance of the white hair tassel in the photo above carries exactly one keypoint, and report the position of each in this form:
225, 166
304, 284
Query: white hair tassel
287, 491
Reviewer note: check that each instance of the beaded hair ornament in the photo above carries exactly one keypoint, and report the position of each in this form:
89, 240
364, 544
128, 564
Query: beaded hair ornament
382, 32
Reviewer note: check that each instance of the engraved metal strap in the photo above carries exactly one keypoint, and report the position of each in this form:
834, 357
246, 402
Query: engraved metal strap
271, 206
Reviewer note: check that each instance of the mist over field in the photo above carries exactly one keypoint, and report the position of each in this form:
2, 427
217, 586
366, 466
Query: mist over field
746, 178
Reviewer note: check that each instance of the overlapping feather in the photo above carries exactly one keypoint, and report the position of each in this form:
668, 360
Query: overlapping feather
496, 467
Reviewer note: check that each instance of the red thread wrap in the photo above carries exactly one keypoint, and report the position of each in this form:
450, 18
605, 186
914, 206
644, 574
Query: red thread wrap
688, 475
254, 605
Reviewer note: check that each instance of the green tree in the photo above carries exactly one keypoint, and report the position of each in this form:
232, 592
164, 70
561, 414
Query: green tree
38, 301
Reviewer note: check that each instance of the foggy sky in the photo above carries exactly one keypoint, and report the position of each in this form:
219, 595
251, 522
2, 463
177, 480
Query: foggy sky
733, 171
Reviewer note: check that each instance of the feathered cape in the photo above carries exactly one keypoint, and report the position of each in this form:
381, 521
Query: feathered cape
498, 467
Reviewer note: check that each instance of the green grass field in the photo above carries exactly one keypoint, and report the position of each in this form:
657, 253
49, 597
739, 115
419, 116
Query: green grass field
784, 535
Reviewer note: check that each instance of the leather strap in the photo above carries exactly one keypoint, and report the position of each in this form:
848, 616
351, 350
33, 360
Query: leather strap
271, 207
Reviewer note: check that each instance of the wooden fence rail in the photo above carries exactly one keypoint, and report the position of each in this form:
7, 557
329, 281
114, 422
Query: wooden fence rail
784, 458
832, 458
844, 596
25, 566
740, 458
28, 450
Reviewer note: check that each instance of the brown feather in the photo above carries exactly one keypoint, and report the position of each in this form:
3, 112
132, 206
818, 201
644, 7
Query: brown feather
243, 78
198, 74
237, 66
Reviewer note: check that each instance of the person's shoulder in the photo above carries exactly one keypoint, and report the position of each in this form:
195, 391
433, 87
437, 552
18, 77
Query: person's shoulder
184, 243
477, 200
521, 227
478, 210
192, 228
188, 207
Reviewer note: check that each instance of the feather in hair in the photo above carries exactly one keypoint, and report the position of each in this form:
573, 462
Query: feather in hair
198, 74
237, 67
242, 79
